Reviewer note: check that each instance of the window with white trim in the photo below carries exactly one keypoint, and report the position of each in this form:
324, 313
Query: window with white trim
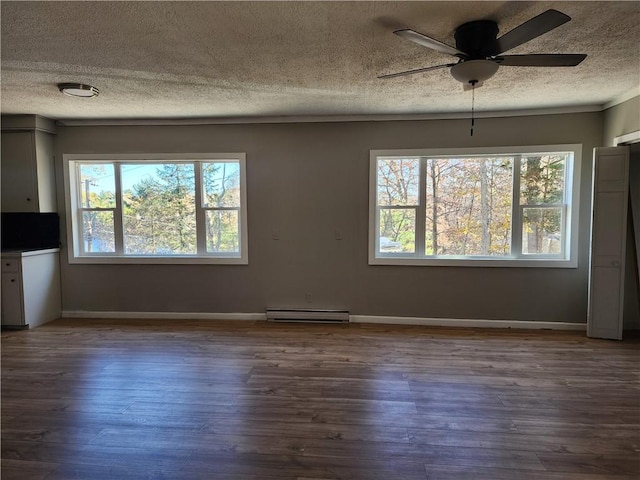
161, 208
501, 206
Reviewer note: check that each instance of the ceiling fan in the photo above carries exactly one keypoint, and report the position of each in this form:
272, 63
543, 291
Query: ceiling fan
479, 50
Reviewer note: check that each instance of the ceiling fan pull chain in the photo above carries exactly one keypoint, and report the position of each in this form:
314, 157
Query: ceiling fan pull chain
473, 103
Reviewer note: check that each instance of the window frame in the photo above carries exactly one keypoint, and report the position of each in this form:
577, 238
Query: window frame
74, 209
571, 206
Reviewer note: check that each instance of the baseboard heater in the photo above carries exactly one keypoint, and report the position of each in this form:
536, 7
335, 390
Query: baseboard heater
307, 315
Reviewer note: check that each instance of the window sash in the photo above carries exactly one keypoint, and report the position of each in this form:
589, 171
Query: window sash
81, 239
568, 208
563, 229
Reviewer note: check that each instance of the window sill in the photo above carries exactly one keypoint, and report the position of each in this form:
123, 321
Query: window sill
469, 262
148, 260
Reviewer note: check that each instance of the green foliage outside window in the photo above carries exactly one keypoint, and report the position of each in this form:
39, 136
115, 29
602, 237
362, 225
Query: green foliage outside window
158, 204
469, 204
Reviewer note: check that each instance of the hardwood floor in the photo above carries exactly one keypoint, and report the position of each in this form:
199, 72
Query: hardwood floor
89, 399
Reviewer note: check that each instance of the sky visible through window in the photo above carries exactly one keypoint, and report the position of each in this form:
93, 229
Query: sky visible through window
102, 175
135, 173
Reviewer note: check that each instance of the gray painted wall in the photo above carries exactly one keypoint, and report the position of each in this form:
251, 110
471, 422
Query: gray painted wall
307, 180
621, 119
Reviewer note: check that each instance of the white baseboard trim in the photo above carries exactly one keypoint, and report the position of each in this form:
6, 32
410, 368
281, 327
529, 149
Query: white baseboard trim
468, 323
164, 315
429, 322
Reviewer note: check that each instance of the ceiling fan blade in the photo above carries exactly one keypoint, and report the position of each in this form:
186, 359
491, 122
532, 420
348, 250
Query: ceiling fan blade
429, 42
543, 23
417, 70
541, 60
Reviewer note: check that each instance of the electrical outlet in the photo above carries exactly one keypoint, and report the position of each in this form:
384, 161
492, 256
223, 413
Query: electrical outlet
308, 297
275, 234
338, 234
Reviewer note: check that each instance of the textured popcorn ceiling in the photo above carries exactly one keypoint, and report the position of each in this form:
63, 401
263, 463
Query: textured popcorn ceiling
257, 59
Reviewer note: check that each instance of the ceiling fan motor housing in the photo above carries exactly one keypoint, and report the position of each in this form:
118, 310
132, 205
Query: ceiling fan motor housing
477, 39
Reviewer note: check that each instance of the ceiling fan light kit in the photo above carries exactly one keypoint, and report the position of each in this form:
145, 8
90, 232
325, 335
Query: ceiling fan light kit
474, 71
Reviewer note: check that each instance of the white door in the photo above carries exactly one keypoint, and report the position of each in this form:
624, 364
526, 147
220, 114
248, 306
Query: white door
608, 241
634, 194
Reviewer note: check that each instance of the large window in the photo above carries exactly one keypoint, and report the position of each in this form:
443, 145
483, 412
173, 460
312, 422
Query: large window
515, 206
156, 208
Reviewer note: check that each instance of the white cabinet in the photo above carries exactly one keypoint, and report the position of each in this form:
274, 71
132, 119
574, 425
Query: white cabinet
27, 164
30, 288
11, 299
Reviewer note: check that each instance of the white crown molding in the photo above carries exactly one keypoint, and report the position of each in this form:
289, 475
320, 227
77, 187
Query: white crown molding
634, 92
323, 118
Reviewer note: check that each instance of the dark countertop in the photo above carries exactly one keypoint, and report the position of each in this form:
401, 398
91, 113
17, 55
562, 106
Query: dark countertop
27, 252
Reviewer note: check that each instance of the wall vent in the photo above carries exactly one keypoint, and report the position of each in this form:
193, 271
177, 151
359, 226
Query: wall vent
307, 315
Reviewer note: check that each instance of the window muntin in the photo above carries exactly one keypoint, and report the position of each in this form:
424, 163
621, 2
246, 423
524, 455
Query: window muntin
500, 206
157, 208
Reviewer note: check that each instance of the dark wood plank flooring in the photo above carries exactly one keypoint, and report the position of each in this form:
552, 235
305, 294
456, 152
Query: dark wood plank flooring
120, 400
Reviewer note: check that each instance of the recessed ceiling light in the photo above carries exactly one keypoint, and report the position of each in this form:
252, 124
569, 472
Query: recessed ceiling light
78, 90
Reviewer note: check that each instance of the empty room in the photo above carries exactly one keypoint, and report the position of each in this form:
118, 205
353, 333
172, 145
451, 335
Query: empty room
333, 240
